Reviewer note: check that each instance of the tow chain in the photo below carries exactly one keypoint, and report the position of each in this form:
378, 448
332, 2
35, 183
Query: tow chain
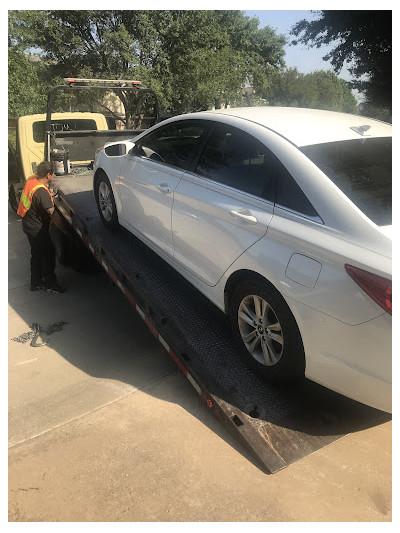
36, 331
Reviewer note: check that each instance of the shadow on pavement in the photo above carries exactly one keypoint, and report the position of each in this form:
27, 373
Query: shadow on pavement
105, 338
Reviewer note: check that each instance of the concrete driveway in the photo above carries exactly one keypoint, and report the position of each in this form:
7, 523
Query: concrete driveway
103, 427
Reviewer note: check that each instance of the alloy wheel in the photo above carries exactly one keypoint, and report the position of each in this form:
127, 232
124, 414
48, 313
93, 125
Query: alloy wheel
260, 330
105, 202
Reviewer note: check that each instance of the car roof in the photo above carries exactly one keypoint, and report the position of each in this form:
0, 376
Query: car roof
303, 126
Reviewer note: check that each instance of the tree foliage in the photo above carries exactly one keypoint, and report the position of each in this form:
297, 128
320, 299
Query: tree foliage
192, 59
317, 90
28, 81
24, 86
364, 41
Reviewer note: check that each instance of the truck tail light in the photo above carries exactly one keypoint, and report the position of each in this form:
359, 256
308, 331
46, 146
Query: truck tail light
378, 288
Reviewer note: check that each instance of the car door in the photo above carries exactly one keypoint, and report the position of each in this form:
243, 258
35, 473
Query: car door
149, 176
224, 204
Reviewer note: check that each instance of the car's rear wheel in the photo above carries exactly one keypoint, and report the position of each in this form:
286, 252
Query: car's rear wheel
266, 331
105, 201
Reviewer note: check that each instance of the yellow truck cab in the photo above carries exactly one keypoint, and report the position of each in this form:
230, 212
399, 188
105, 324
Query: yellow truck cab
31, 134
30, 144
71, 139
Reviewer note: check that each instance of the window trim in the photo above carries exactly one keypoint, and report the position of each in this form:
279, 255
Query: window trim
212, 126
317, 219
228, 187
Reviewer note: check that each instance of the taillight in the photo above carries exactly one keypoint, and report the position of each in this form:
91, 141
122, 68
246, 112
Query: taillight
379, 289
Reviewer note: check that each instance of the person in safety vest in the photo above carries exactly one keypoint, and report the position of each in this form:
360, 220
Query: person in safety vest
36, 208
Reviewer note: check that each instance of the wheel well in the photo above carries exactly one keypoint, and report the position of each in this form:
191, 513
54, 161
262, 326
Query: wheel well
238, 277
241, 276
99, 172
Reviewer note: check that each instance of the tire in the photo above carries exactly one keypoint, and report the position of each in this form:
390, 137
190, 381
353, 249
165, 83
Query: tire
266, 332
13, 199
70, 252
105, 201
60, 243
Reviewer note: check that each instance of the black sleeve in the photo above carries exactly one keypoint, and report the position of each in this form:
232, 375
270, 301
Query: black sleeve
42, 199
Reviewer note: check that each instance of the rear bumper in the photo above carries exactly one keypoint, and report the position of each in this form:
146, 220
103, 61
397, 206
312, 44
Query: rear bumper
355, 361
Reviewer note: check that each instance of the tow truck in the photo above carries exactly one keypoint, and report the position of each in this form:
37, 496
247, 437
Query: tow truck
278, 424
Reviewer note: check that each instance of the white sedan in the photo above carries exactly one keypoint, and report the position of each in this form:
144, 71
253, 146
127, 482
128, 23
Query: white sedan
282, 218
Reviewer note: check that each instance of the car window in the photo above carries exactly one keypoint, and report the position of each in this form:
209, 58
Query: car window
173, 144
81, 124
362, 169
234, 158
289, 194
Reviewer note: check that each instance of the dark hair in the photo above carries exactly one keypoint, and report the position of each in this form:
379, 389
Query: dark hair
44, 168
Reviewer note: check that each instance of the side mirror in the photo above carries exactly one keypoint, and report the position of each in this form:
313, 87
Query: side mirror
115, 150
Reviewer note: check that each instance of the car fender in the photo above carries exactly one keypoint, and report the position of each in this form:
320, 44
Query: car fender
310, 268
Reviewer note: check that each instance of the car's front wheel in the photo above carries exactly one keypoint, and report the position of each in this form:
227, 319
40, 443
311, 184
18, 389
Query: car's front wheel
266, 331
105, 201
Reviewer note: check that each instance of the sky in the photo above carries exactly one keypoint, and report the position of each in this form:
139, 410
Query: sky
305, 59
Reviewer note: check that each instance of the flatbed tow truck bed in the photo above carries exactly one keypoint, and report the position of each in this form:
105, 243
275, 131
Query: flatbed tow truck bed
280, 425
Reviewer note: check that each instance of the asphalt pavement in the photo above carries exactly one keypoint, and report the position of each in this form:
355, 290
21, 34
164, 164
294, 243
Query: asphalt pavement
103, 427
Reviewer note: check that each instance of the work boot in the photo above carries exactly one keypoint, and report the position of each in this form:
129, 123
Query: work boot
56, 289
37, 287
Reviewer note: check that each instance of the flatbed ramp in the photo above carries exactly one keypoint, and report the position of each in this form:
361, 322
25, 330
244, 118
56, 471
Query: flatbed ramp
280, 425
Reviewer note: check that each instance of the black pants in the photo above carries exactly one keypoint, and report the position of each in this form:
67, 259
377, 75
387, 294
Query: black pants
43, 260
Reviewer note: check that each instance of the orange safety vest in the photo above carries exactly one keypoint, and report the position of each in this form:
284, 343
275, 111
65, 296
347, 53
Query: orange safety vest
31, 186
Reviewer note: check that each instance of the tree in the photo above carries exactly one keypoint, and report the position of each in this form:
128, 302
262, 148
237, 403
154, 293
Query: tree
363, 39
285, 88
28, 78
192, 59
317, 90
24, 94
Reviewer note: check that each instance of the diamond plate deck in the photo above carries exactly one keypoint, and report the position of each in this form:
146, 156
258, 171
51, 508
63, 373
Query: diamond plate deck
279, 424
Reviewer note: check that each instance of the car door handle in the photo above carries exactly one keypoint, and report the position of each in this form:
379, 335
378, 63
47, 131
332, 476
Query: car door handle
242, 216
164, 188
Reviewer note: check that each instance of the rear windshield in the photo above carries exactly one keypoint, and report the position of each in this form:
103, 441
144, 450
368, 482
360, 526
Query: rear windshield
76, 124
362, 169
